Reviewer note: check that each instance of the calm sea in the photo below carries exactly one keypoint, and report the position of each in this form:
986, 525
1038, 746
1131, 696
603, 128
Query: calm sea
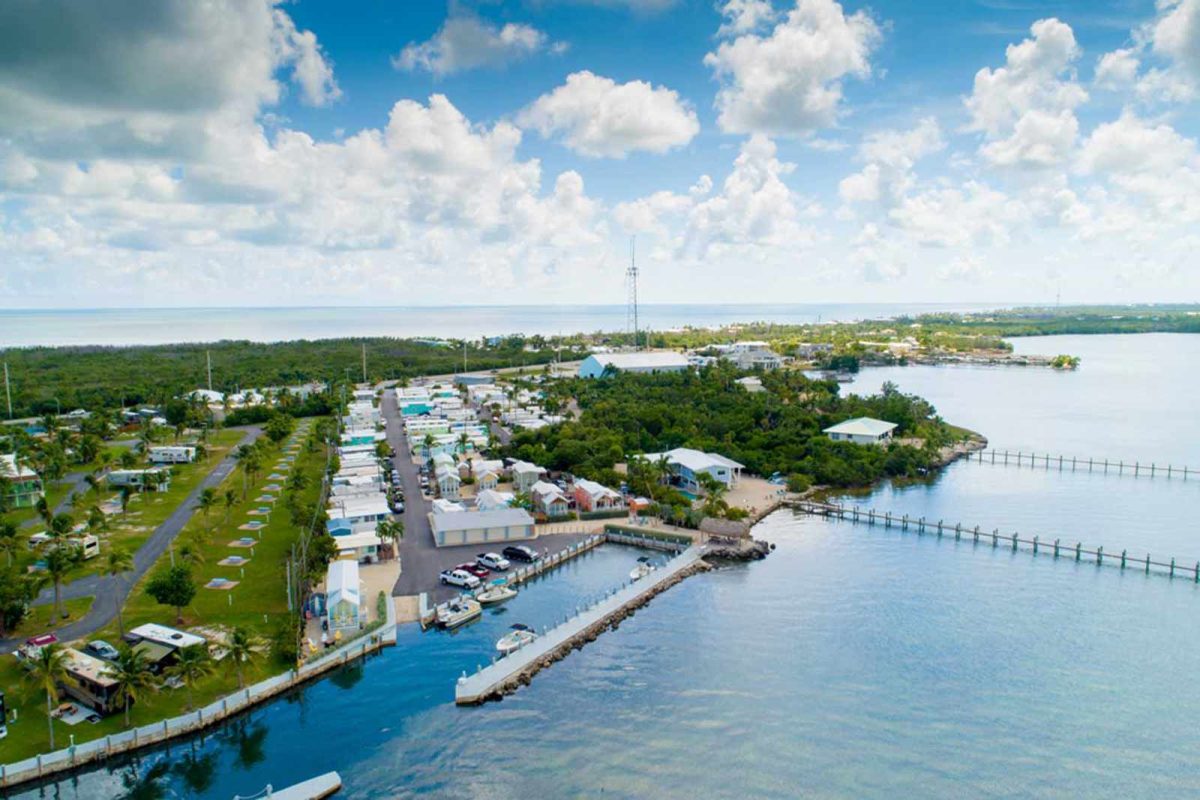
852, 663
161, 325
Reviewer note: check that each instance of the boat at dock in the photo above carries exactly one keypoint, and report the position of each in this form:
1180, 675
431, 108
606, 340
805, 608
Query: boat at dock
497, 592
458, 611
514, 640
643, 569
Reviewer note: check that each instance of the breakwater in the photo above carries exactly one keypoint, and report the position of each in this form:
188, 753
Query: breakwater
1035, 544
505, 675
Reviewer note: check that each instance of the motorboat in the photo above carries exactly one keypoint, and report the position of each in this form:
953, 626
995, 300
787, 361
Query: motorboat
497, 592
514, 640
643, 568
458, 611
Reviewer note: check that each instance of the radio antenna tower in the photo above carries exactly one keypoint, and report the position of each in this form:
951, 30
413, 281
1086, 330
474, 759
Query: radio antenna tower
631, 276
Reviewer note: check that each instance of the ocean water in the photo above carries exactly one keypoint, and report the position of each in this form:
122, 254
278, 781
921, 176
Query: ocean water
854, 662
125, 326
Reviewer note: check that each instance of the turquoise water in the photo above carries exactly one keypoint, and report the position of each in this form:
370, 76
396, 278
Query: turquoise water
120, 326
854, 662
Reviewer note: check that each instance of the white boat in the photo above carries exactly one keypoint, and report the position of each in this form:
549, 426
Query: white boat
514, 640
643, 569
457, 612
497, 592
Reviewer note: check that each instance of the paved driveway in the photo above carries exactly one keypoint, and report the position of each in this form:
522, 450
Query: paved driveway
110, 593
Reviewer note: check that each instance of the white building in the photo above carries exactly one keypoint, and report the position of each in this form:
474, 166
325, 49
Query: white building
863, 430
367, 508
171, 455
479, 527
687, 464
492, 500
648, 361
443, 506
343, 596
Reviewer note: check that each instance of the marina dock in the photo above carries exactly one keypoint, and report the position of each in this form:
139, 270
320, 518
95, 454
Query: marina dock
504, 675
1063, 463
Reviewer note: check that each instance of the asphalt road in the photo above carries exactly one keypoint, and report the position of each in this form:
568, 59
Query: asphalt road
110, 592
421, 560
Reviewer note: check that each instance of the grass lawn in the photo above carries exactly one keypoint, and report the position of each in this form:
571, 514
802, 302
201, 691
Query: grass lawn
146, 511
41, 618
258, 602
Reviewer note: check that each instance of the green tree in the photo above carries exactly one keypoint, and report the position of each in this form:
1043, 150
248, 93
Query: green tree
44, 672
279, 427
118, 563
8, 538
244, 646
207, 501
194, 663
125, 494
230, 501
61, 525
173, 587
60, 560
131, 676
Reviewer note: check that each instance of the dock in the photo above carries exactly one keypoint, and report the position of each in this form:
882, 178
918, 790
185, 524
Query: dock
1035, 545
316, 788
504, 675
1063, 463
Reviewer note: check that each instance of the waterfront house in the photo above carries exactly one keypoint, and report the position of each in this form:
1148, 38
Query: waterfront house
686, 465
343, 597
24, 485
595, 365
549, 499
525, 475
592, 496
863, 430
171, 455
480, 527
491, 500
448, 482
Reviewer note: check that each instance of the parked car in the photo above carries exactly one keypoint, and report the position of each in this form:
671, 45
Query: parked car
479, 572
456, 577
492, 561
520, 552
101, 649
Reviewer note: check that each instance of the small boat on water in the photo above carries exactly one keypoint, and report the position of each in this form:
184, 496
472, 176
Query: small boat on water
643, 569
458, 611
497, 592
514, 640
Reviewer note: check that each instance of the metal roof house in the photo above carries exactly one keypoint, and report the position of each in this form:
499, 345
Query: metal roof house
343, 597
687, 464
652, 361
478, 527
863, 430
24, 485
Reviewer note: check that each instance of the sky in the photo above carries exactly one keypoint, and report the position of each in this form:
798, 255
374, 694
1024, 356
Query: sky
162, 153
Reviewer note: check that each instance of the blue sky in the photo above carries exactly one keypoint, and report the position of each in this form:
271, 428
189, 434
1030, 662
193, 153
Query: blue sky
372, 152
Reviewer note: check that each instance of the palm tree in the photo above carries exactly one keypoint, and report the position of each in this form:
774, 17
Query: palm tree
714, 494
463, 441
191, 555
60, 560
230, 502
131, 677
45, 671
93, 483
390, 532
126, 493
201, 450
119, 562
243, 645
8, 538
145, 437
207, 501
193, 663
44, 511
96, 520
428, 442
127, 459
61, 525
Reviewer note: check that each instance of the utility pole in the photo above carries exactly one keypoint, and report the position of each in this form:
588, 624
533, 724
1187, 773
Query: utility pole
208, 367
364, 359
7, 390
464, 355
631, 275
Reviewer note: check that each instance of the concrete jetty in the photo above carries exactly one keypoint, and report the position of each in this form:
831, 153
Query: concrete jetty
506, 674
316, 788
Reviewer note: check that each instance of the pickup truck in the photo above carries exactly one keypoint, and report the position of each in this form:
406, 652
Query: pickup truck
458, 577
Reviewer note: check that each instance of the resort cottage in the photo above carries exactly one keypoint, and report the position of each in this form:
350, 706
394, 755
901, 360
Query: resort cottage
343, 598
862, 430
492, 500
686, 466
592, 496
548, 499
525, 475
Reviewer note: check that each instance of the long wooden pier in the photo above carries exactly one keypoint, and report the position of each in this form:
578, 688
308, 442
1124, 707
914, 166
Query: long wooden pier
1013, 541
1064, 463
505, 674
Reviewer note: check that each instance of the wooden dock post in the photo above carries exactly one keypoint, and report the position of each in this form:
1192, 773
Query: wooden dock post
1056, 548
1197, 572
1072, 463
1078, 548
887, 519
1136, 467
1099, 555
904, 523
939, 529
1035, 545
977, 534
1014, 541
1106, 466
1060, 458
995, 535
1147, 563
1151, 469
1172, 568
1122, 559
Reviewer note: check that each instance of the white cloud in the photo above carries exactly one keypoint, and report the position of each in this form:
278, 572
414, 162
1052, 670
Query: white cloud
467, 42
1117, 70
890, 157
789, 82
745, 16
1026, 108
596, 116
